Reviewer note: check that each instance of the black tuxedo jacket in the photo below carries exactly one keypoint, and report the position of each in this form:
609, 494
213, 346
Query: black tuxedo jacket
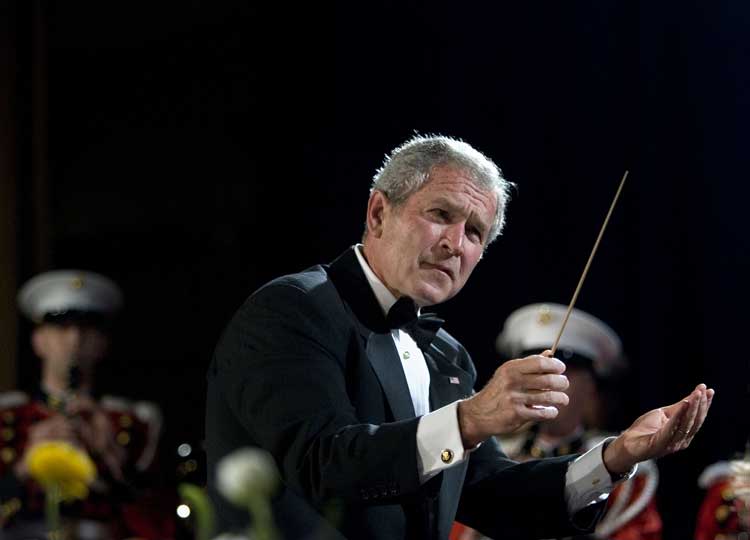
307, 370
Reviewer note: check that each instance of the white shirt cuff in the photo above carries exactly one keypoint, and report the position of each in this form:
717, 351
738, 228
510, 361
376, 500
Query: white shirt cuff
588, 481
439, 443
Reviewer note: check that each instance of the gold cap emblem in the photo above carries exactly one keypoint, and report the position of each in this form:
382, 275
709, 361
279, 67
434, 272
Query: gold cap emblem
545, 315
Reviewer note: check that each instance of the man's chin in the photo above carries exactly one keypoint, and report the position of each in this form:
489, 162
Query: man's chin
430, 296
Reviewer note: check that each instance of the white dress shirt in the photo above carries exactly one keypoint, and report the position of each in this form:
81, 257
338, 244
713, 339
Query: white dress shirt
587, 479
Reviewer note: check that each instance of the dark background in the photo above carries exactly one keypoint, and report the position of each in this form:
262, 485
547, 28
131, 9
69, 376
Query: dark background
198, 149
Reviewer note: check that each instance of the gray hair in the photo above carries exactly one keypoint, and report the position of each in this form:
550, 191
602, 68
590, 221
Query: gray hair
408, 167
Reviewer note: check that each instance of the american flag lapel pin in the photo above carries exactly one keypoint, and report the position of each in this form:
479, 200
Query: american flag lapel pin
454, 380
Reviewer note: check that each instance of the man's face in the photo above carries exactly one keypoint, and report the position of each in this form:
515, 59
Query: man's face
583, 402
428, 246
59, 345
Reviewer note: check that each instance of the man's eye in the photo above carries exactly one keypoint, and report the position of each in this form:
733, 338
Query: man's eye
440, 213
474, 235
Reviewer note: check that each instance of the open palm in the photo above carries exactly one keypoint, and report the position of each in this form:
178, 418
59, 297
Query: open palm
660, 431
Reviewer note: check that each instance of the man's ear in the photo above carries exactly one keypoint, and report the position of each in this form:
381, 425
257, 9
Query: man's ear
376, 211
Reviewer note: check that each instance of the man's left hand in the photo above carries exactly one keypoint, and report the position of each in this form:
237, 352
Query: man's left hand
659, 432
95, 430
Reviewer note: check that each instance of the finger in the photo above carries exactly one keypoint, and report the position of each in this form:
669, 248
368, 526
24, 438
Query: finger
539, 413
682, 427
687, 425
672, 409
694, 400
55, 427
546, 399
95, 439
700, 400
79, 405
538, 364
668, 435
545, 382
705, 404
85, 433
710, 393
65, 428
58, 434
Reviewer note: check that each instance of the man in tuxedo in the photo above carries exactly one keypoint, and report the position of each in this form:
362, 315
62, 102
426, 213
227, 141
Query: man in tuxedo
367, 404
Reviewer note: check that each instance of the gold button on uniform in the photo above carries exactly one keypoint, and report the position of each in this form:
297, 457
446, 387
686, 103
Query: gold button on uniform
446, 455
126, 421
722, 513
7, 454
123, 438
7, 434
406, 355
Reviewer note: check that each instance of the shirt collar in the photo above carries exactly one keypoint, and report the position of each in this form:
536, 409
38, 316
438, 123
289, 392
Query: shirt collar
384, 296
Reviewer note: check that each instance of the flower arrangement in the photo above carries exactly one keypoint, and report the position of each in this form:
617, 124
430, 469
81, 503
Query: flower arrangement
64, 471
248, 478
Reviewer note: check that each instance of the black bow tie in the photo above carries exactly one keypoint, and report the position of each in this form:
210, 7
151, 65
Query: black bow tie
422, 328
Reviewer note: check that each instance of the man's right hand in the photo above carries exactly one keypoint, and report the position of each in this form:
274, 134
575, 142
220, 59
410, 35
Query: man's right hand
520, 391
95, 431
55, 428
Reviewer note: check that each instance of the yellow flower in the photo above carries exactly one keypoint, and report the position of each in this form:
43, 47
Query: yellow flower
62, 465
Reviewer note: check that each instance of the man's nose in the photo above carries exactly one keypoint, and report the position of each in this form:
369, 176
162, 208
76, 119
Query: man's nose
453, 239
73, 335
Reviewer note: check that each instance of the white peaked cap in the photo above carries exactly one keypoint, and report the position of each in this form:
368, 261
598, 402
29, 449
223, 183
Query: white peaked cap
60, 291
535, 327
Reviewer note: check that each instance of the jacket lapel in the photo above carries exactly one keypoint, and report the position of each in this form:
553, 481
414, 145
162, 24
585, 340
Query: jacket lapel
383, 357
448, 382
369, 319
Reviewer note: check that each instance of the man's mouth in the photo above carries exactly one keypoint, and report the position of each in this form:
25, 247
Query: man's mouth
443, 268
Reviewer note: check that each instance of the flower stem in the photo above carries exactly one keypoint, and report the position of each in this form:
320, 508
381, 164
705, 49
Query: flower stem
52, 508
197, 500
262, 527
